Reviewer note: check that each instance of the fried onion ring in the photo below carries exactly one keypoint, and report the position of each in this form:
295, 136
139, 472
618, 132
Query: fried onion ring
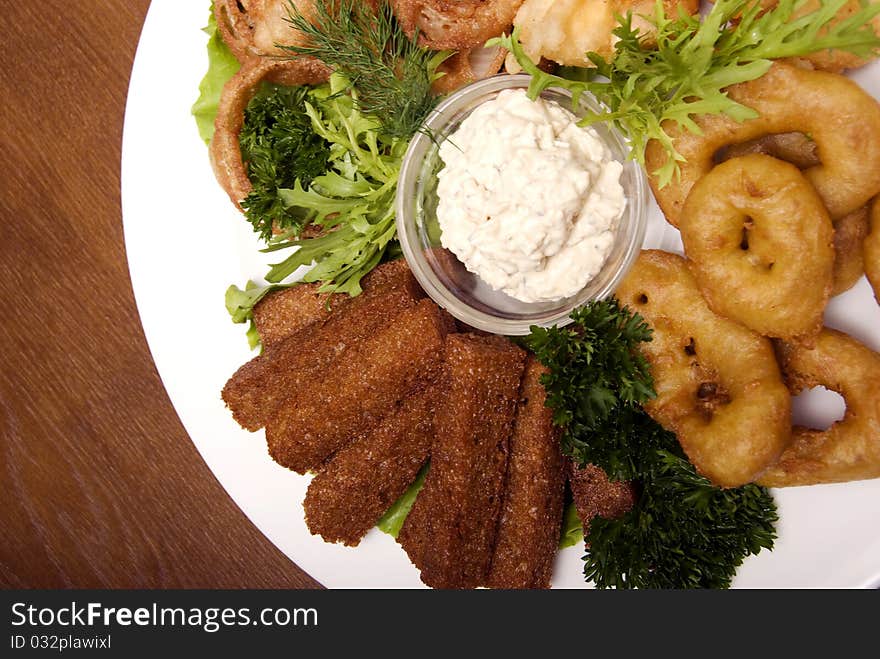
455, 24
225, 150
796, 148
251, 28
718, 384
840, 117
760, 242
850, 449
467, 66
849, 239
872, 250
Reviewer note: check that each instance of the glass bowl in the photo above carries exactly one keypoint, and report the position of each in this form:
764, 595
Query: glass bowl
444, 278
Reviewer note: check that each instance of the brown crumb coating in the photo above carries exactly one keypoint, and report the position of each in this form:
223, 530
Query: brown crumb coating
450, 533
290, 367
360, 482
351, 396
528, 533
597, 496
284, 313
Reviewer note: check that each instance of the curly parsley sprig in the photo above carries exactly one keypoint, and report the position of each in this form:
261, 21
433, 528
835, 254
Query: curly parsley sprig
644, 85
682, 532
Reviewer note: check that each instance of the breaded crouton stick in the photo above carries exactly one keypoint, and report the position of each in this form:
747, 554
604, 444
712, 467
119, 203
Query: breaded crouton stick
284, 313
450, 532
285, 370
360, 482
597, 496
528, 533
351, 396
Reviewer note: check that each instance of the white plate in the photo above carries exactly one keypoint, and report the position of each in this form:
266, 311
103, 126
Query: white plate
186, 244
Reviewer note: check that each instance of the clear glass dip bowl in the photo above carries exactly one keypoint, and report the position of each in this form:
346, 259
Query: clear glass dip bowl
444, 278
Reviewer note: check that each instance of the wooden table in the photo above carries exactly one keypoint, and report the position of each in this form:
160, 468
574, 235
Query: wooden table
101, 486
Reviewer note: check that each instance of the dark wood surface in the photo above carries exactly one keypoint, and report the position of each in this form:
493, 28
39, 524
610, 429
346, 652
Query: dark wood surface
101, 486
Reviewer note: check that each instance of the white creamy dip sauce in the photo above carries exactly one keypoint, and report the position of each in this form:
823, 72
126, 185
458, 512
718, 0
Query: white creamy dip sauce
528, 200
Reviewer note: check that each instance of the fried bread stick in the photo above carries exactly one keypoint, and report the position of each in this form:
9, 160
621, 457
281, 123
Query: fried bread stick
597, 496
259, 387
362, 480
451, 530
348, 398
284, 313
528, 533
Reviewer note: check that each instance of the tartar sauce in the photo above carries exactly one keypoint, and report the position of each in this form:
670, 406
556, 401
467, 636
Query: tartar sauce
528, 200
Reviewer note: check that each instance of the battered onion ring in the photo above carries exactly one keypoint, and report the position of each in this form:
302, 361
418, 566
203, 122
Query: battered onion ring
760, 241
796, 148
718, 384
225, 150
250, 29
455, 24
850, 449
872, 250
840, 116
468, 66
849, 239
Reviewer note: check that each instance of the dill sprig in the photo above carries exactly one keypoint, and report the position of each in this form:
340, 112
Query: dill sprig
643, 84
390, 71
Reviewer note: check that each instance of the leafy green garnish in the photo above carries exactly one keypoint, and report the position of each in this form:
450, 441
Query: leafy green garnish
694, 60
390, 71
222, 65
682, 532
353, 202
572, 532
392, 521
597, 378
281, 150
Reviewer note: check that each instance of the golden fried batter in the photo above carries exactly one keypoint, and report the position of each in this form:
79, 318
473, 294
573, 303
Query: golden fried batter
718, 385
850, 449
872, 250
348, 398
528, 532
841, 117
455, 24
761, 244
451, 530
849, 240
361, 481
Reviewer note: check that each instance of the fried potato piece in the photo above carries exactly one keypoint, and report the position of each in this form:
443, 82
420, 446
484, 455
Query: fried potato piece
841, 117
595, 495
360, 482
289, 368
353, 394
850, 232
528, 531
718, 385
850, 449
451, 530
455, 24
872, 250
565, 30
760, 241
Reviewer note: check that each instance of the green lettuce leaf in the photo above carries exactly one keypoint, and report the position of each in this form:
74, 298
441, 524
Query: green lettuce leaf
222, 65
572, 529
392, 521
